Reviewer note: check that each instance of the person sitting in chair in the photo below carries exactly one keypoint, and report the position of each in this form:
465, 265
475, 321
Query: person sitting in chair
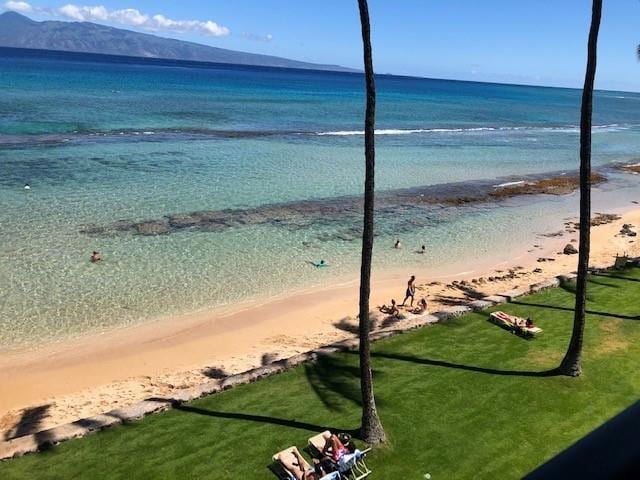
341, 450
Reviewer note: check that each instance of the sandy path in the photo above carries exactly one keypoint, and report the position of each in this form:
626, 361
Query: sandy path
63, 382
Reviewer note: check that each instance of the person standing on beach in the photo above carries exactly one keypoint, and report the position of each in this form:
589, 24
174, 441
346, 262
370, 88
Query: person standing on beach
411, 291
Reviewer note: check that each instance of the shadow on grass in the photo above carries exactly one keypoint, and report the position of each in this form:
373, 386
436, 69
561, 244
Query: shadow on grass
603, 284
570, 287
571, 309
248, 417
471, 368
617, 277
333, 380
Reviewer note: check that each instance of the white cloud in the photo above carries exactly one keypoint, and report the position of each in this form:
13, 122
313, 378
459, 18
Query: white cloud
18, 6
257, 38
135, 18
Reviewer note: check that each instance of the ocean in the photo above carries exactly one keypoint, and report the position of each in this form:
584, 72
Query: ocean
208, 185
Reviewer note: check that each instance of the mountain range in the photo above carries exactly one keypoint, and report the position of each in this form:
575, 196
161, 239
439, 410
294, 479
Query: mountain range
19, 31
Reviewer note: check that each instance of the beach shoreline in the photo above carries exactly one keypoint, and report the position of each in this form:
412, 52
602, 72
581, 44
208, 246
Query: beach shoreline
89, 375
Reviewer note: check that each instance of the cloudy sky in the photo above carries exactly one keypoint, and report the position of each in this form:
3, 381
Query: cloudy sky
532, 42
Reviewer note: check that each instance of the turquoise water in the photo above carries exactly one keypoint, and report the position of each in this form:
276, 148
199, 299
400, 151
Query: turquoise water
276, 156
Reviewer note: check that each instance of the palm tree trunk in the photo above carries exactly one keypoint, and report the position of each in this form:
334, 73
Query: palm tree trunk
371, 429
571, 363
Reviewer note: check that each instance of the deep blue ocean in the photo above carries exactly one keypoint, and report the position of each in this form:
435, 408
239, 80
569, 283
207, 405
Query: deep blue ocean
248, 173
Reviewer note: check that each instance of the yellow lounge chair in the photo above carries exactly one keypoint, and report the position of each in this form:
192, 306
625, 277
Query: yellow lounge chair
514, 324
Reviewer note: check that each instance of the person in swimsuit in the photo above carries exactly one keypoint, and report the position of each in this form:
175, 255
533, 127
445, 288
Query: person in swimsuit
341, 450
300, 469
411, 291
391, 309
95, 257
422, 306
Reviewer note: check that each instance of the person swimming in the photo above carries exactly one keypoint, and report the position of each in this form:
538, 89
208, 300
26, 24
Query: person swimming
95, 257
397, 244
319, 264
27, 186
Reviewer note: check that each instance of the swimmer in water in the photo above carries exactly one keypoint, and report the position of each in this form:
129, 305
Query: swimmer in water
397, 244
95, 257
319, 264
27, 187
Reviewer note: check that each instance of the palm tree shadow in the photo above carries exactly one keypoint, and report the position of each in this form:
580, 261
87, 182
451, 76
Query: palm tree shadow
570, 309
333, 381
248, 417
31, 421
616, 276
471, 368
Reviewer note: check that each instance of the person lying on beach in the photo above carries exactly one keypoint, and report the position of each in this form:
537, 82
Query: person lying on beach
95, 257
301, 469
391, 309
421, 308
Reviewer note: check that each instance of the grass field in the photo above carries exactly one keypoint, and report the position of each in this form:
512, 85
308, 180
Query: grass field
461, 399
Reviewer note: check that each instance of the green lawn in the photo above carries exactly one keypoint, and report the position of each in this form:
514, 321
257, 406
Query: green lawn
462, 399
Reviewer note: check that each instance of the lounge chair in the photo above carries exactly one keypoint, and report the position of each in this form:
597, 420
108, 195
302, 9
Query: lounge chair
283, 474
354, 469
514, 324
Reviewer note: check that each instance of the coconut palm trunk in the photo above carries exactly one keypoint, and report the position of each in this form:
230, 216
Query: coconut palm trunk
571, 363
371, 429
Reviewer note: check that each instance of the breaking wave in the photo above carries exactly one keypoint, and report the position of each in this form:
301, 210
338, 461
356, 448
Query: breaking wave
559, 129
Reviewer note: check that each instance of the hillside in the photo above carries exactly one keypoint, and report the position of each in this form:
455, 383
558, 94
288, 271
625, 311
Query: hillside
18, 31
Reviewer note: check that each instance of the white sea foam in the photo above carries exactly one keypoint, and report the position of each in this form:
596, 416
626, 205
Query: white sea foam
509, 184
397, 131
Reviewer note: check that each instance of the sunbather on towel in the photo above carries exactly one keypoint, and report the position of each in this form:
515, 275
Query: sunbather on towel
421, 308
391, 309
301, 470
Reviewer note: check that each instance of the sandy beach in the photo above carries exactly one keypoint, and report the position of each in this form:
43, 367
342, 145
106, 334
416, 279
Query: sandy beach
62, 382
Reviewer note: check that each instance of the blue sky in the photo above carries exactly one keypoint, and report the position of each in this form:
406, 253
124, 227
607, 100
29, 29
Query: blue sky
516, 41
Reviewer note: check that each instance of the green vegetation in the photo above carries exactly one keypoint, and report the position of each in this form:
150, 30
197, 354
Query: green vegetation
462, 399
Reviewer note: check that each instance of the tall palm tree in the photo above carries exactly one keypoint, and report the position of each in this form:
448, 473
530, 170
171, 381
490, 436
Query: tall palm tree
571, 363
371, 429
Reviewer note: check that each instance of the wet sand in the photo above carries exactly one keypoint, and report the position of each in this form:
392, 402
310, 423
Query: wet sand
62, 382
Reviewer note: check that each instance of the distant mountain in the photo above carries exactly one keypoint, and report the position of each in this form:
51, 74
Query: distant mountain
18, 31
